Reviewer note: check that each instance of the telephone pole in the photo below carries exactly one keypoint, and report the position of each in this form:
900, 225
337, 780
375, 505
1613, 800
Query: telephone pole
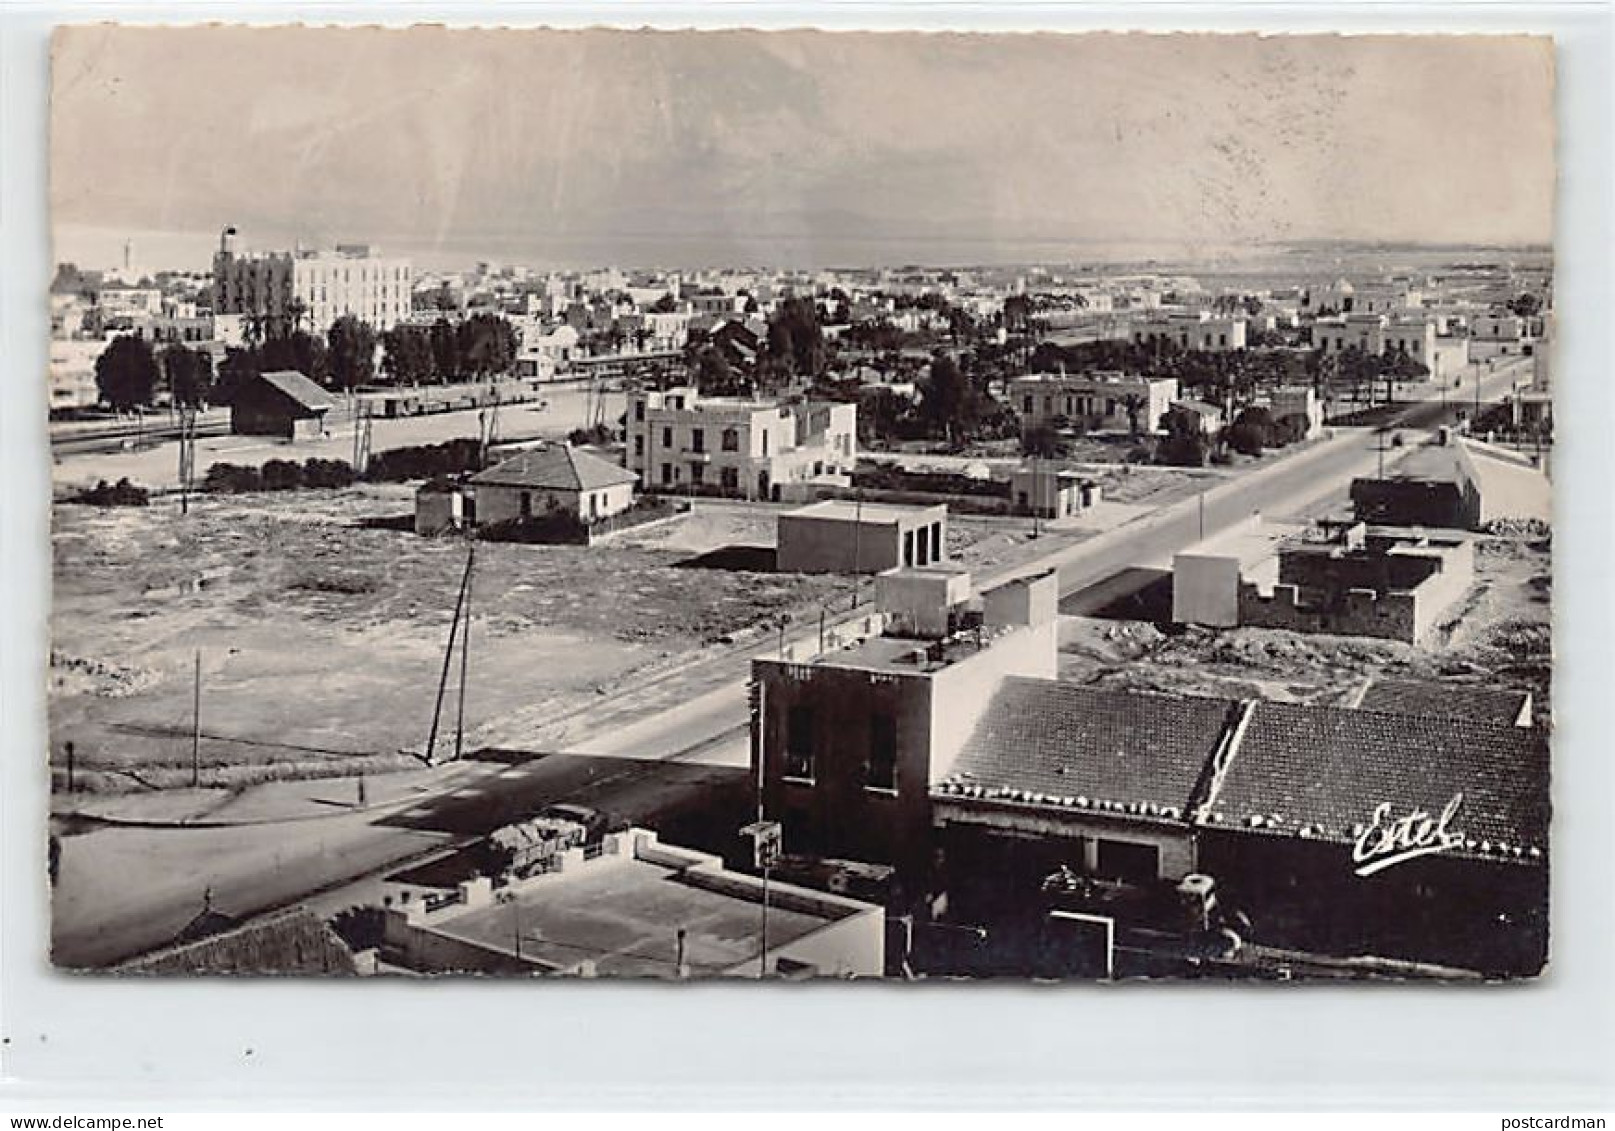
196, 722
448, 658
465, 655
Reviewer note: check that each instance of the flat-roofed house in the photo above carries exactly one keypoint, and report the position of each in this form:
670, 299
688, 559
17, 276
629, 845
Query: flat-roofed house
638, 909
836, 536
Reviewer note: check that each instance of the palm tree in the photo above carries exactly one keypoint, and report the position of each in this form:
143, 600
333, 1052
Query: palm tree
1133, 404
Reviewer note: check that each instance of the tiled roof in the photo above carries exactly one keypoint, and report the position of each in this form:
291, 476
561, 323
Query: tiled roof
1326, 769
295, 941
1497, 705
299, 388
1059, 744
556, 467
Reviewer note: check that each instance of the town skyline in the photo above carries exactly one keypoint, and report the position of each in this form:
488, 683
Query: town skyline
797, 149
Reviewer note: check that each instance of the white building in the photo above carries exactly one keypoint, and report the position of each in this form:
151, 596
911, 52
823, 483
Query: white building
1198, 331
1097, 401
678, 439
1379, 334
352, 279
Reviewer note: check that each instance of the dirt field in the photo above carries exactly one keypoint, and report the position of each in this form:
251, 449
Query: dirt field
1501, 635
321, 640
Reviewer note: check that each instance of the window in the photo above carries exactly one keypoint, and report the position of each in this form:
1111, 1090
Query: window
908, 548
639, 410
731, 479
765, 442
1026, 404
1134, 863
731, 440
667, 473
936, 541
527, 504
697, 473
639, 445
881, 770
698, 439
799, 739
667, 437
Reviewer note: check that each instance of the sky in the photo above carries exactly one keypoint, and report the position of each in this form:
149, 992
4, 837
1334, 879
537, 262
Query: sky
682, 149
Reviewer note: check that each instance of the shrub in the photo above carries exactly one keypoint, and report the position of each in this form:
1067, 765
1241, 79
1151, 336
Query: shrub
1222, 458
425, 461
555, 527
281, 475
328, 473
232, 479
1184, 449
598, 435
120, 494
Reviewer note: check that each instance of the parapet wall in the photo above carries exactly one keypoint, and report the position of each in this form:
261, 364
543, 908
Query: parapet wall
1357, 612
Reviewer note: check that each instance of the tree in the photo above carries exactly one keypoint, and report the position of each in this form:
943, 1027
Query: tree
296, 311
445, 342
796, 340
1133, 404
1251, 431
1017, 313
667, 304
407, 355
715, 377
190, 375
239, 366
352, 352
126, 373
300, 351
1042, 442
487, 345
949, 403
1185, 443
1526, 305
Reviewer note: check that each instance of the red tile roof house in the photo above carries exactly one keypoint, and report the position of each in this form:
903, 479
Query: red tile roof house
554, 477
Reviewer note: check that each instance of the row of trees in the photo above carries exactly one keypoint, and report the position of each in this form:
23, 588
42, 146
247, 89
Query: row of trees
476, 348
131, 372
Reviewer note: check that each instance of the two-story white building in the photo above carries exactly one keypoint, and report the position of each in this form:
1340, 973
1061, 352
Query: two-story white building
1103, 401
1418, 337
737, 446
1199, 330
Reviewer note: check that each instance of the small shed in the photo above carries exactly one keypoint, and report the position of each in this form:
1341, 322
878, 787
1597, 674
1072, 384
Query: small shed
835, 536
282, 403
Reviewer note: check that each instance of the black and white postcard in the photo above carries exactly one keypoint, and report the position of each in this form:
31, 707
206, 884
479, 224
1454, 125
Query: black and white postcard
801, 505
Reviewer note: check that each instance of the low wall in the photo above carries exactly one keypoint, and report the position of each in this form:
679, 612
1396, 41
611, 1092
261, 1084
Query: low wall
1359, 612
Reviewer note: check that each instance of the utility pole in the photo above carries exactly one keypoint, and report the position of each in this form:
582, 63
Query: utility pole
196, 722
187, 456
67, 747
448, 656
465, 655
857, 539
